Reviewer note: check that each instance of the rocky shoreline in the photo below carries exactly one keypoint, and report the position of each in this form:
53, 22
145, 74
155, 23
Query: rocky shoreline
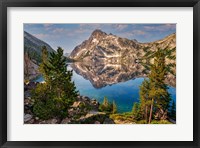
83, 111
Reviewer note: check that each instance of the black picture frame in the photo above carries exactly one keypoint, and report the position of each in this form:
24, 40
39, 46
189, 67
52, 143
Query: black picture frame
4, 4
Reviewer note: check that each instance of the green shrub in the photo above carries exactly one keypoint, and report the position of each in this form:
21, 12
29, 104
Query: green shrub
44, 110
141, 122
105, 106
160, 122
137, 111
123, 117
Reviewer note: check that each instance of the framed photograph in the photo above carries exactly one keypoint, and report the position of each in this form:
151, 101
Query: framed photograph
99, 74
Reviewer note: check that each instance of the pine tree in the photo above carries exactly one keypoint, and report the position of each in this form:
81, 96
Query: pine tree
158, 93
154, 96
114, 107
144, 98
136, 110
106, 106
59, 90
59, 77
105, 102
44, 63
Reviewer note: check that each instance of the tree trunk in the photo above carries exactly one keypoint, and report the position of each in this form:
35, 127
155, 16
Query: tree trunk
150, 116
146, 113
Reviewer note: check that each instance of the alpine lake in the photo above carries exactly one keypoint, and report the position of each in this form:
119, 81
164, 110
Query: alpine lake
118, 82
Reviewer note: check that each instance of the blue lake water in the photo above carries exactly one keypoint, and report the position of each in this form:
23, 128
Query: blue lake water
123, 93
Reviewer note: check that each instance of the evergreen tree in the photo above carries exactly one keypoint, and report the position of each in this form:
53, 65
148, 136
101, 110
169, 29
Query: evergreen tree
158, 93
59, 77
136, 110
144, 98
44, 63
105, 106
114, 107
105, 102
58, 92
154, 96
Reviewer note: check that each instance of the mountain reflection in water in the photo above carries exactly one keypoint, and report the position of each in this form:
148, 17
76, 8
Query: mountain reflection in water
101, 74
118, 82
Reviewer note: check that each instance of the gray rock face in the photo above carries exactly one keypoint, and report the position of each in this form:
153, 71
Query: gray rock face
87, 46
30, 68
107, 47
27, 117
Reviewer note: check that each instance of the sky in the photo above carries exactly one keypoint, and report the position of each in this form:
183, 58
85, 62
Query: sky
68, 36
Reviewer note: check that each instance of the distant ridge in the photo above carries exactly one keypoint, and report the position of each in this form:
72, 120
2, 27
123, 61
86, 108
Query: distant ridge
33, 46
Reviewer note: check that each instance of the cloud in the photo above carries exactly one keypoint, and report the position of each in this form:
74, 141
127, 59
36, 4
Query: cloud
139, 32
59, 30
91, 26
170, 26
120, 27
117, 27
133, 34
41, 35
48, 26
161, 28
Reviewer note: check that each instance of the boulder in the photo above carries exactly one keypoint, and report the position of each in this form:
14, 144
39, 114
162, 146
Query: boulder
92, 116
94, 113
78, 97
27, 117
31, 121
76, 104
108, 121
27, 101
97, 122
65, 121
85, 98
71, 112
94, 102
42, 122
52, 121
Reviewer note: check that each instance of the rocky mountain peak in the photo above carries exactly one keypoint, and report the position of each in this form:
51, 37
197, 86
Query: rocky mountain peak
135, 40
107, 47
98, 33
